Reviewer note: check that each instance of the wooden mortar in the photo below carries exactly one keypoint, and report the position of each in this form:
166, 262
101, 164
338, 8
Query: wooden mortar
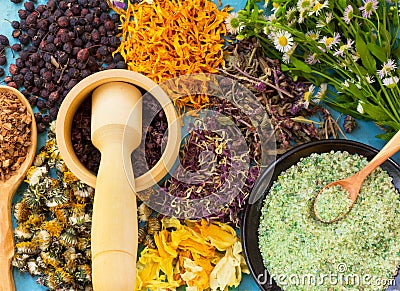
114, 226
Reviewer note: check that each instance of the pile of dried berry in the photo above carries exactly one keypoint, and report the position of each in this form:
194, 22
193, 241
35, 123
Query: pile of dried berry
62, 42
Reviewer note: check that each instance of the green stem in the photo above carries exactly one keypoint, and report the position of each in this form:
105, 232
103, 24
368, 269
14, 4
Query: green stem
389, 100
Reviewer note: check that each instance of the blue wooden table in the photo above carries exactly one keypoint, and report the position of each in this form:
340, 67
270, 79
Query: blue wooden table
365, 132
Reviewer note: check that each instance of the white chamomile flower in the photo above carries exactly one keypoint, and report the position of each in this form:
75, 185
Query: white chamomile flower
348, 14
232, 23
275, 7
369, 7
35, 174
304, 5
344, 47
328, 17
313, 34
331, 41
286, 56
390, 82
318, 6
291, 13
346, 84
283, 41
387, 67
360, 108
271, 18
323, 88
266, 2
308, 95
312, 59
370, 79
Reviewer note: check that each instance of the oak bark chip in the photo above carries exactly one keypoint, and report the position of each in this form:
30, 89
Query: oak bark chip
18, 141
116, 132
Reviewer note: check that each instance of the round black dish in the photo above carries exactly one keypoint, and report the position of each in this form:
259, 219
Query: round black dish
251, 220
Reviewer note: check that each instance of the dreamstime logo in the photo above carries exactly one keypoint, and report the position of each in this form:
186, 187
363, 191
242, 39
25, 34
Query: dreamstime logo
340, 278
231, 143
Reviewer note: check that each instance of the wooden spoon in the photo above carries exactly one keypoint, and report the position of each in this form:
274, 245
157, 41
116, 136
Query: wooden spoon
7, 190
353, 183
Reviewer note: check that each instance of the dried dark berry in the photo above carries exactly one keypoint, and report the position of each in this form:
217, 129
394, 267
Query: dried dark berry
16, 1
103, 50
16, 33
34, 58
37, 81
41, 127
51, 4
85, 73
96, 37
63, 21
15, 24
43, 24
29, 6
3, 60
16, 47
24, 39
109, 25
13, 69
18, 79
41, 8
2, 72
53, 112
62, 57
47, 76
53, 28
46, 119
76, 9
31, 20
54, 96
120, 65
8, 79
28, 76
118, 57
4, 40
41, 104
83, 55
23, 14
20, 62
32, 100
67, 47
12, 84
50, 47
31, 32
71, 84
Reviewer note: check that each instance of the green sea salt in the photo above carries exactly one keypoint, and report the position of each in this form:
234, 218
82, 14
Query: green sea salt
359, 252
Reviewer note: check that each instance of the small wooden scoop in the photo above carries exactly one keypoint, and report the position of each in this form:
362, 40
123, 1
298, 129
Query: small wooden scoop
353, 183
115, 226
7, 190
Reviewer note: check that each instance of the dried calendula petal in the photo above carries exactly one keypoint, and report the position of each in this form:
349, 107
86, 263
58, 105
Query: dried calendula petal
222, 237
185, 255
166, 39
227, 272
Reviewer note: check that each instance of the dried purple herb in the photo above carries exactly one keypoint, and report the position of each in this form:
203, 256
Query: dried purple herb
282, 97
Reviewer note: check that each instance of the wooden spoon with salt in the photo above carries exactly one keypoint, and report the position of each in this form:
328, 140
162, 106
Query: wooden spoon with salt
7, 190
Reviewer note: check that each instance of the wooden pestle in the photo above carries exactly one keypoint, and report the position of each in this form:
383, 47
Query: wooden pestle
114, 226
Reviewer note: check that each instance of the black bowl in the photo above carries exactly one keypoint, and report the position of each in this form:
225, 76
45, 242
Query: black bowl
251, 219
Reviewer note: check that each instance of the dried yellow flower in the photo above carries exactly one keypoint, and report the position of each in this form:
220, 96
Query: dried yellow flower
188, 255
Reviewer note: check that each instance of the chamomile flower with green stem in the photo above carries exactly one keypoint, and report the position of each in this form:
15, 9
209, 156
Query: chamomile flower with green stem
283, 40
232, 23
369, 7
